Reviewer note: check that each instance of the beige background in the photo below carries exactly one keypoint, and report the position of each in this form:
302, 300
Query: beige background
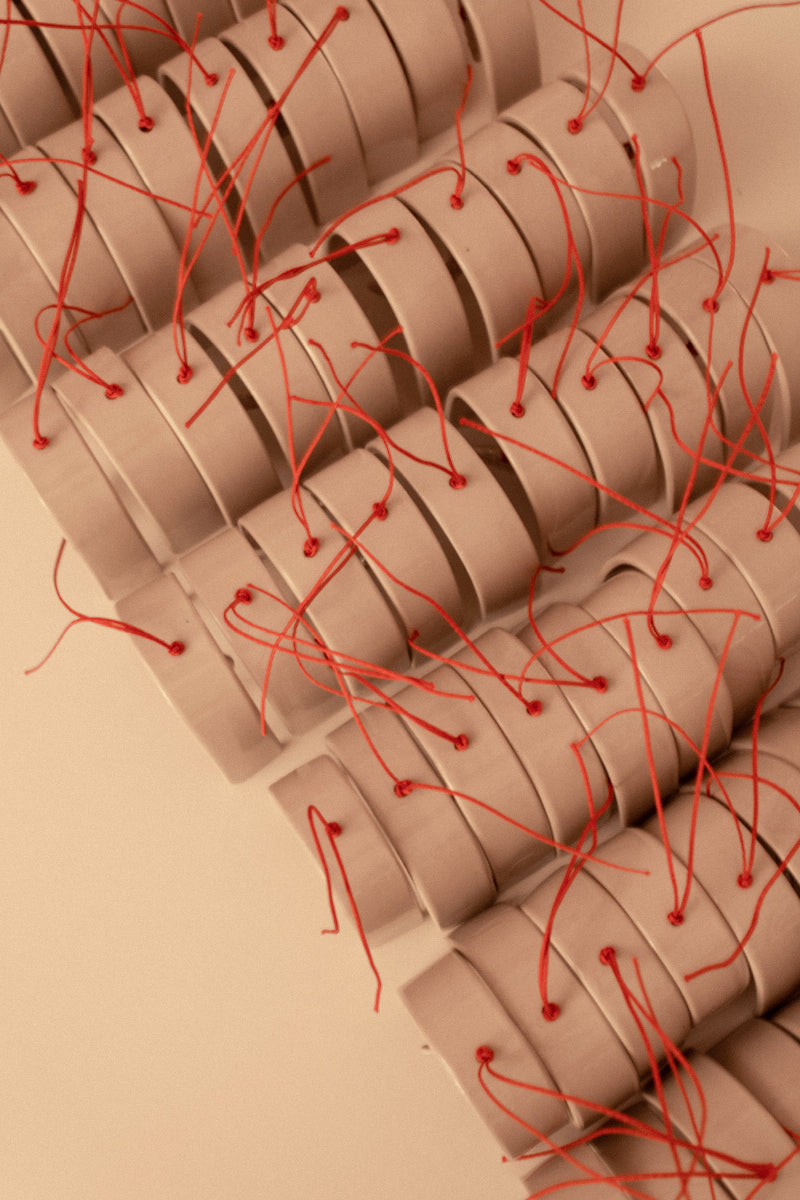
172, 1026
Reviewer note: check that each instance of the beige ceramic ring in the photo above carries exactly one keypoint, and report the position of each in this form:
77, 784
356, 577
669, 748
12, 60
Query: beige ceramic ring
80, 497
580, 1048
383, 894
223, 442
258, 176
156, 479
476, 522
426, 828
30, 111
504, 45
766, 1061
67, 47
552, 490
198, 682
313, 110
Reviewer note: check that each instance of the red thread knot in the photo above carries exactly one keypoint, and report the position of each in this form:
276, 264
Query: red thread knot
456, 202
342, 13
333, 828
638, 82
88, 156
212, 79
745, 880
113, 391
767, 276
607, 956
276, 42
550, 1011
764, 535
767, 1171
461, 742
311, 292
652, 350
380, 511
705, 582
176, 649
392, 236
710, 304
533, 708
600, 683
146, 124
243, 596
589, 382
41, 442
185, 373
250, 334
663, 641
675, 917
458, 481
517, 409
310, 547
484, 1054
513, 166
25, 186
574, 125
403, 788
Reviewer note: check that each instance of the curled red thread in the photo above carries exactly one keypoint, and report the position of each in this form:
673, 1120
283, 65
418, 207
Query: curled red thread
533, 708
663, 641
574, 125
380, 511
185, 373
705, 582
551, 1011
744, 879
600, 683
652, 351
113, 392
675, 918
517, 409
146, 123
403, 788
461, 742
484, 1054
764, 535
589, 382
310, 547
607, 956
638, 82
243, 596
458, 481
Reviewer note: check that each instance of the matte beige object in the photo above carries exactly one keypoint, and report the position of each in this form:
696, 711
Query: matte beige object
765, 1060
146, 45
749, 659
169, 165
80, 497
579, 1048
653, 1165
612, 717
380, 887
95, 283
609, 421
655, 116
486, 779
435, 325
586, 1164
349, 612
216, 15
301, 427
199, 682
704, 937
335, 321
457, 1013
542, 740
379, 98
13, 377
477, 523
498, 272
778, 735
397, 545
737, 1125
592, 159
530, 198
426, 828
770, 936
158, 482
260, 166
684, 675
426, 38
769, 565
213, 573
587, 920
30, 111
788, 1018
128, 220
314, 107
26, 292
676, 415
223, 442
68, 48
535, 456
506, 46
